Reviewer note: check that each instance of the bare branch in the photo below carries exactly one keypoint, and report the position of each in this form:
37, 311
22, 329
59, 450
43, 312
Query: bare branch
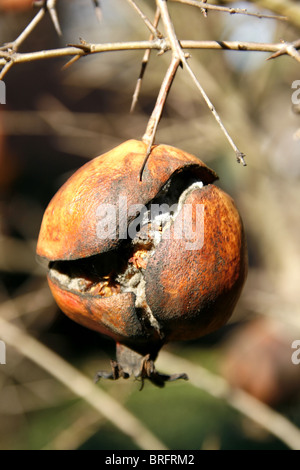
170, 31
239, 11
144, 65
160, 45
288, 8
149, 135
29, 28
178, 53
45, 5
6, 68
239, 155
152, 28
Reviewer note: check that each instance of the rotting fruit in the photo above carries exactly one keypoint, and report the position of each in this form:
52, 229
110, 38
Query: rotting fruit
140, 276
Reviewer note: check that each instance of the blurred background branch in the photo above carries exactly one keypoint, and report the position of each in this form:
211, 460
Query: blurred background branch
80, 385
254, 409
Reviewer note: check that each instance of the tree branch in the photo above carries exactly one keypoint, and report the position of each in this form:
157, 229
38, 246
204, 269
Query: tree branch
46, 5
286, 8
179, 54
157, 44
144, 64
230, 10
149, 135
152, 28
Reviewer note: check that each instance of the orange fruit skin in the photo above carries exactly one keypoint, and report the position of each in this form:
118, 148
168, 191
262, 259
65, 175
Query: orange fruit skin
190, 292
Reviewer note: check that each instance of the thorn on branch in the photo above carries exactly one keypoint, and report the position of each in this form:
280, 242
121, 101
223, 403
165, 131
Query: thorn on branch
98, 10
84, 46
290, 49
50, 6
204, 6
55, 21
71, 61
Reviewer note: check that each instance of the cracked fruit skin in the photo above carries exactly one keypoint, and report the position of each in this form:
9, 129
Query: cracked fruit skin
179, 294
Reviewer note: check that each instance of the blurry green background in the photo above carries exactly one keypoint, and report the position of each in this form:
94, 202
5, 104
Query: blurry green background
53, 122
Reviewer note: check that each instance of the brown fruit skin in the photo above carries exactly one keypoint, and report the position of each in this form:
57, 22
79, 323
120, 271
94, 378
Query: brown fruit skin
190, 293
206, 281
69, 227
113, 316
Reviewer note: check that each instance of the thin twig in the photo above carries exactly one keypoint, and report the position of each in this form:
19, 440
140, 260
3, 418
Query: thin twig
239, 155
289, 8
245, 403
149, 135
49, 5
152, 28
230, 10
170, 31
178, 53
6, 68
29, 28
144, 65
80, 385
